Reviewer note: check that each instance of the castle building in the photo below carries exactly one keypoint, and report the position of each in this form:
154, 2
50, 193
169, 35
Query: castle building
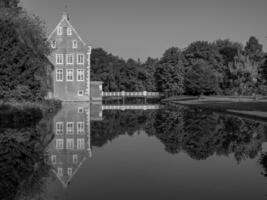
71, 57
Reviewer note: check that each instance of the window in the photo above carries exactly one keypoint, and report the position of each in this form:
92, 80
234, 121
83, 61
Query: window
80, 127
74, 44
70, 127
80, 75
59, 30
54, 159
80, 93
53, 44
80, 109
69, 59
75, 158
69, 31
59, 59
70, 144
69, 75
59, 171
59, 75
80, 144
69, 171
59, 143
80, 59
59, 128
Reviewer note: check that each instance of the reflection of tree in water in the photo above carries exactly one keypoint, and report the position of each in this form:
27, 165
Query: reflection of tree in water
208, 133
22, 158
242, 137
116, 123
263, 163
168, 128
200, 133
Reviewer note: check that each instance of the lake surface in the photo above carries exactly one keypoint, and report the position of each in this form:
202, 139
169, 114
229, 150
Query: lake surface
131, 152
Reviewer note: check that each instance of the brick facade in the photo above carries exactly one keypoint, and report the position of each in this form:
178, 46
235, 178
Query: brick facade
71, 58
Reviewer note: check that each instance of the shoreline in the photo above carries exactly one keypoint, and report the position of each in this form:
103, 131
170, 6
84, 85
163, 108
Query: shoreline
46, 106
245, 107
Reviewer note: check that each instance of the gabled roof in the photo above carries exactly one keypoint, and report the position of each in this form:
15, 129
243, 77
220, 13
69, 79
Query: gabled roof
65, 180
65, 18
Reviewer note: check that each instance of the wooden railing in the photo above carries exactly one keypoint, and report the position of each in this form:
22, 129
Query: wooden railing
131, 94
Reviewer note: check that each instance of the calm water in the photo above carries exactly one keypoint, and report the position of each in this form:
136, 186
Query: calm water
143, 152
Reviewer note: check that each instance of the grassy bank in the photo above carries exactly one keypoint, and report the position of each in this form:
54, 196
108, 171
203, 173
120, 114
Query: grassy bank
241, 106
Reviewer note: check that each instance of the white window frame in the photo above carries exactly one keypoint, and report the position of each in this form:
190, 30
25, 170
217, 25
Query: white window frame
59, 59
69, 31
80, 93
59, 144
59, 128
78, 60
80, 128
53, 44
59, 75
68, 62
70, 130
59, 30
80, 75
70, 143
80, 144
69, 75
74, 44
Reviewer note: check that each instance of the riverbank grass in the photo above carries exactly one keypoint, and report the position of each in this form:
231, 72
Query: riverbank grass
244, 106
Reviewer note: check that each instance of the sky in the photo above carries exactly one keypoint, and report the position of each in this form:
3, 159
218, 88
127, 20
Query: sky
146, 28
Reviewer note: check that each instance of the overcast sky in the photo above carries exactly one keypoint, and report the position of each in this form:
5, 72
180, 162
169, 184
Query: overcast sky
142, 28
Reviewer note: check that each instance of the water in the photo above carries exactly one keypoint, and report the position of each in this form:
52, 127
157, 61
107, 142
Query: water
141, 152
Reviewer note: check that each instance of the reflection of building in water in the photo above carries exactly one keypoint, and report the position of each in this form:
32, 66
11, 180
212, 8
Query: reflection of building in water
72, 145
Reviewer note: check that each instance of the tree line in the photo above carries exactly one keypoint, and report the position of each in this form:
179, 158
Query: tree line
222, 67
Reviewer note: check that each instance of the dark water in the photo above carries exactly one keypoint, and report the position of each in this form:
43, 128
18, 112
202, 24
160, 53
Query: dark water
142, 152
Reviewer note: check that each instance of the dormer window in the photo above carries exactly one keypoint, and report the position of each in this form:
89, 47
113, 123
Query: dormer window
59, 30
74, 44
69, 31
53, 44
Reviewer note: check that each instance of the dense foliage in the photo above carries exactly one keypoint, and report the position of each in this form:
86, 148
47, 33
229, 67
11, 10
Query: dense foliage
118, 74
23, 54
222, 67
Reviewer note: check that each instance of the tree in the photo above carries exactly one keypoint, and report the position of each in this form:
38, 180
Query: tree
148, 70
23, 54
169, 74
203, 51
13, 4
253, 48
201, 79
240, 67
